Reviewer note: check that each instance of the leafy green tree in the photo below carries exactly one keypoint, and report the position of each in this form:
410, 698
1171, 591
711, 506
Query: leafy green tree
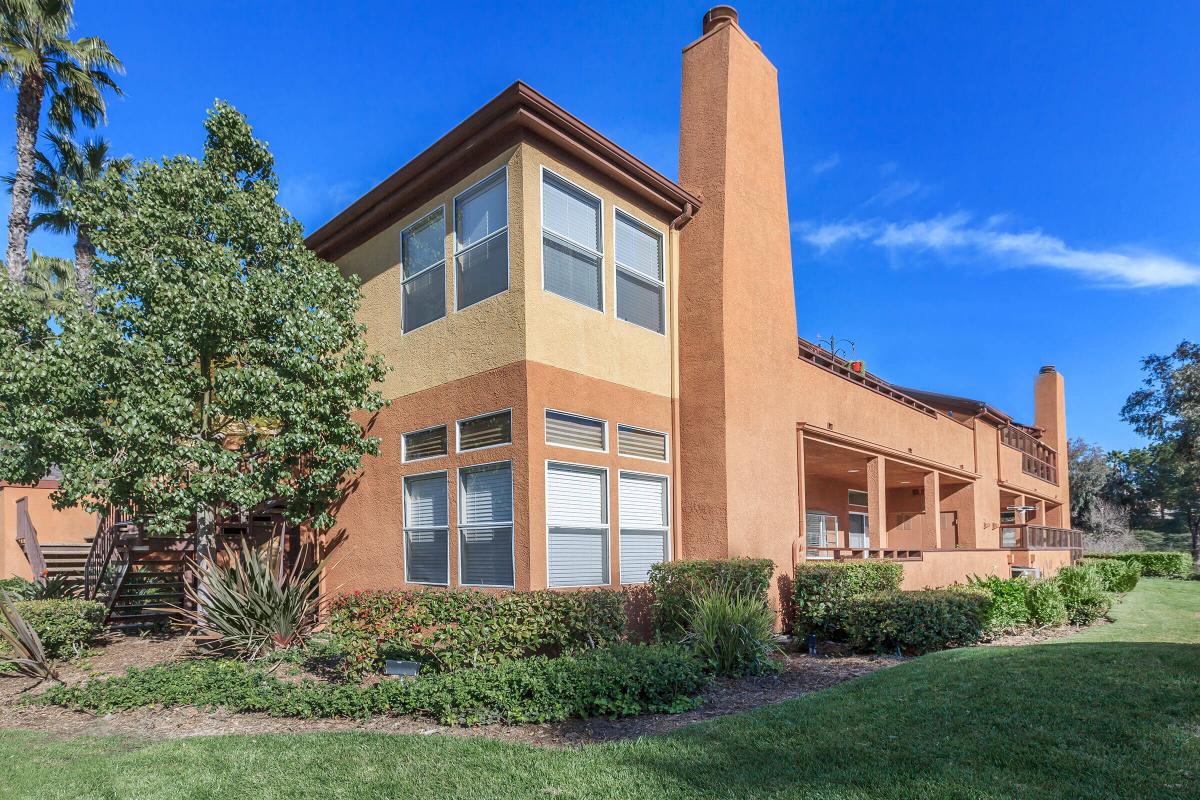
222, 365
1166, 410
69, 165
39, 59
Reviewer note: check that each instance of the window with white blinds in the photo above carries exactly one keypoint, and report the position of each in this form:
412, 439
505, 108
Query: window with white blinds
423, 263
569, 430
486, 430
572, 260
644, 539
577, 525
485, 525
641, 443
481, 240
640, 284
426, 530
428, 443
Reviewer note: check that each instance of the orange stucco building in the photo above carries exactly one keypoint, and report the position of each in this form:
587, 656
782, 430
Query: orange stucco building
596, 368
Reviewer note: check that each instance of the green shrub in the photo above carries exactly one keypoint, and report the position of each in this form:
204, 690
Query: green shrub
1045, 604
734, 634
468, 628
17, 588
1118, 575
21, 649
916, 622
617, 681
1009, 609
64, 626
821, 591
675, 583
1083, 593
1171, 564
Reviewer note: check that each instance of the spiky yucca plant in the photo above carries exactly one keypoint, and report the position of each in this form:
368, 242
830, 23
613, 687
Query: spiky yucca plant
26, 652
252, 606
732, 631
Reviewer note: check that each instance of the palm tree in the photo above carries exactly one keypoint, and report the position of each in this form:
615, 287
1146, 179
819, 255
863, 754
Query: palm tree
39, 59
72, 165
51, 280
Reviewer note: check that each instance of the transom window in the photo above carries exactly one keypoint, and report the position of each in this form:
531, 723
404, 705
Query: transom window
641, 287
428, 443
641, 443
481, 240
572, 260
485, 525
423, 260
857, 497
426, 553
486, 430
569, 430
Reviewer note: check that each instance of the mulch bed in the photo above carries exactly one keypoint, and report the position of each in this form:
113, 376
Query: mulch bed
801, 675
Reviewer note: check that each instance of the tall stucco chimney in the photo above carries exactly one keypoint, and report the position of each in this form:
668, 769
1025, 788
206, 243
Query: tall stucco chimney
1050, 414
737, 305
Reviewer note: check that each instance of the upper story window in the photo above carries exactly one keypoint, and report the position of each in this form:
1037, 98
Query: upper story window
423, 260
427, 443
486, 430
481, 240
572, 260
570, 430
640, 285
641, 443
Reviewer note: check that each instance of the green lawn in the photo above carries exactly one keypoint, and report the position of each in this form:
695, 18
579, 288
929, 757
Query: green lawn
1113, 712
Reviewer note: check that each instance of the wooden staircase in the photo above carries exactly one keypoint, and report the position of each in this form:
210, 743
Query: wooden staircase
49, 559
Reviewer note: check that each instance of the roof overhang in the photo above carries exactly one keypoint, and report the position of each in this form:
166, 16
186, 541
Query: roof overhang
516, 112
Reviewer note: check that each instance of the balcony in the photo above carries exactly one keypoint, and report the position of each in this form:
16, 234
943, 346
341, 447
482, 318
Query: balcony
1042, 537
1037, 459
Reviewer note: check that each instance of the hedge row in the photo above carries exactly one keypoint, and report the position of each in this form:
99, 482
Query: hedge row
468, 628
675, 583
821, 592
916, 622
1154, 565
618, 681
64, 626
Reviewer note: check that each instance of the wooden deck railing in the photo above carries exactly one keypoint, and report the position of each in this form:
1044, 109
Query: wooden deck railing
848, 553
1037, 458
28, 540
1042, 537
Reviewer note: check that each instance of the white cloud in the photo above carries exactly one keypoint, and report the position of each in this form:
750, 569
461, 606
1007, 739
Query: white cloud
313, 199
826, 164
953, 236
896, 191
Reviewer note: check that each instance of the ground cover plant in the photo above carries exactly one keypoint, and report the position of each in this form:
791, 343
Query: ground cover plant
1105, 714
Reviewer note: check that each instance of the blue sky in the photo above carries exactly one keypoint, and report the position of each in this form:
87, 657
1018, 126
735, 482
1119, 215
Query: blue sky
975, 189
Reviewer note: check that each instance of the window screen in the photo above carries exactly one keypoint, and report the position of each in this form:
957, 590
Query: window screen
577, 519
644, 532
426, 559
425, 444
572, 264
569, 430
423, 258
485, 525
488, 430
641, 443
481, 240
640, 285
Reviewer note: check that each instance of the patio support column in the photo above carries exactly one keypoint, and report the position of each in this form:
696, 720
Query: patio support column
799, 551
877, 500
933, 511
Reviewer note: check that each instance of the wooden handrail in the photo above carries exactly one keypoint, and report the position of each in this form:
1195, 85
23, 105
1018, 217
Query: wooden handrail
854, 553
1037, 458
1028, 536
28, 539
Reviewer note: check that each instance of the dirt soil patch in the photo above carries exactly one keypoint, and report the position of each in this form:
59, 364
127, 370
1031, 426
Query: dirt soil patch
801, 675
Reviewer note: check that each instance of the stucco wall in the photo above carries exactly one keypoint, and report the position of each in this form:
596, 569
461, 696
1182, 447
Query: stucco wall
481, 337
72, 525
565, 334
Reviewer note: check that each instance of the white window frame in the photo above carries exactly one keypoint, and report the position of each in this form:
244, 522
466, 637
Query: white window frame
666, 442
404, 459
662, 266
549, 443
512, 512
488, 238
404, 525
567, 242
850, 515
670, 556
607, 521
458, 431
404, 280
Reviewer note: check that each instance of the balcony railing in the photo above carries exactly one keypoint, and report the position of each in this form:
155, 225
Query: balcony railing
1042, 537
854, 553
1037, 458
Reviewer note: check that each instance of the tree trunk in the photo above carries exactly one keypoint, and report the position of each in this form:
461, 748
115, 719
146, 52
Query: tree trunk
206, 546
85, 258
29, 112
